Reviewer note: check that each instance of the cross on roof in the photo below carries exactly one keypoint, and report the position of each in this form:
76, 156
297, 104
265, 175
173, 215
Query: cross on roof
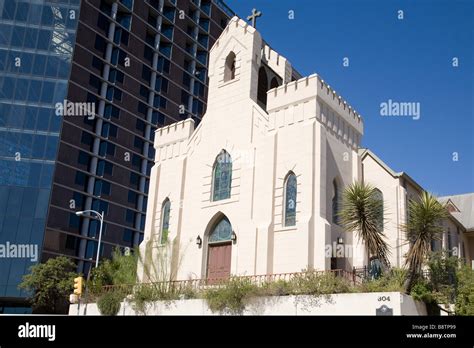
253, 17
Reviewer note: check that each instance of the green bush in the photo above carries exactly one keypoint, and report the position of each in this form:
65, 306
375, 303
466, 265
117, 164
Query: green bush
392, 280
422, 291
232, 297
142, 295
145, 294
121, 270
314, 283
50, 284
277, 288
109, 303
442, 276
189, 292
465, 292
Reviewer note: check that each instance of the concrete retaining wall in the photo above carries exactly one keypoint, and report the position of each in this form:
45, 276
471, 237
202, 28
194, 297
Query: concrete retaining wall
337, 304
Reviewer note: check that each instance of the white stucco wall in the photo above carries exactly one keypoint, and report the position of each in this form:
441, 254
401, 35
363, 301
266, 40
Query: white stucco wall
395, 195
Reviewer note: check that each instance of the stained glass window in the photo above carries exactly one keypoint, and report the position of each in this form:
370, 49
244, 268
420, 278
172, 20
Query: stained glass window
290, 200
222, 232
335, 203
222, 177
378, 195
165, 220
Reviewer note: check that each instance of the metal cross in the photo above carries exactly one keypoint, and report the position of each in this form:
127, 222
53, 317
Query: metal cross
253, 17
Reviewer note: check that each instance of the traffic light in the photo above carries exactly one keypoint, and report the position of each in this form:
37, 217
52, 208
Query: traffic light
78, 285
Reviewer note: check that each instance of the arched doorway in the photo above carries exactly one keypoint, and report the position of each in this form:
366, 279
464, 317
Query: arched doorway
219, 244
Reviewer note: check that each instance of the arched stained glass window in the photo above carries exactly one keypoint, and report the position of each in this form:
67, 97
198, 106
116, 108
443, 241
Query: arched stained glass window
222, 176
290, 200
335, 203
165, 220
378, 195
221, 232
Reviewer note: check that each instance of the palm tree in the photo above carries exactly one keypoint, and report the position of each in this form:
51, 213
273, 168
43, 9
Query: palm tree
423, 226
361, 210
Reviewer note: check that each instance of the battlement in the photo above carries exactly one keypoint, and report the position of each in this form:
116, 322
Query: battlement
292, 92
336, 102
311, 87
174, 133
277, 62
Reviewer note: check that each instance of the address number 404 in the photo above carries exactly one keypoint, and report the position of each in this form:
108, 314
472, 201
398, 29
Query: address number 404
383, 299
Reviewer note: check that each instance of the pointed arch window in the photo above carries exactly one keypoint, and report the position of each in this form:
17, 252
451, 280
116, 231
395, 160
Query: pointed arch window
222, 176
165, 220
378, 196
274, 83
229, 69
335, 203
262, 88
222, 232
290, 200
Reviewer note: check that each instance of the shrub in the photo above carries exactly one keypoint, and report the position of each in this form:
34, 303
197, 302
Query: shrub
50, 284
147, 293
109, 303
232, 297
143, 295
314, 283
422, 291
277, 288
189, 292
120, 271
465, 293
392, 280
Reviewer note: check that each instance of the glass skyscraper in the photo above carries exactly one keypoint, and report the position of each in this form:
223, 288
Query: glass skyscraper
36, 46
143, 65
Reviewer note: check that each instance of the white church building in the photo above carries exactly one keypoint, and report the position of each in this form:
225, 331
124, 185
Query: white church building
255, 188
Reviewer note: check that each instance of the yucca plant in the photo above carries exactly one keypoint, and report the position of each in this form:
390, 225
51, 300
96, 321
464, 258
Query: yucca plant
361, 210
423, 226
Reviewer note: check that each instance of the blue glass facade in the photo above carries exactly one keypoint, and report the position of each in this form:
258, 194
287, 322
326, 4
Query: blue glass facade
36, 46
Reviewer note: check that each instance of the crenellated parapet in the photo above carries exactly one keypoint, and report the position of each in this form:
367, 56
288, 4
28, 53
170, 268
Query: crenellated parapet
277, 62
171, 141
337, 103
310, 97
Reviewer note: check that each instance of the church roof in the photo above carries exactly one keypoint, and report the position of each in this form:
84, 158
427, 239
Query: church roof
364, 152
465, 205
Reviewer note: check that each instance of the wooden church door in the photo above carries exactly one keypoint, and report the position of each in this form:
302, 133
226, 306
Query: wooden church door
218, 266
219, 250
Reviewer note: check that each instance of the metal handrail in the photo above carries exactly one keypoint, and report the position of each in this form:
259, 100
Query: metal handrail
202, 284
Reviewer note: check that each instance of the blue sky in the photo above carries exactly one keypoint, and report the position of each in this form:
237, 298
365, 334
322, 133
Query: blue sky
407, 60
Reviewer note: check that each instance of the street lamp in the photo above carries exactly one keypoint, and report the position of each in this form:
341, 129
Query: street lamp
101, 217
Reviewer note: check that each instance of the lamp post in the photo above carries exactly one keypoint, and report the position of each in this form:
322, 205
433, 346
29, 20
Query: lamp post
101, 217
